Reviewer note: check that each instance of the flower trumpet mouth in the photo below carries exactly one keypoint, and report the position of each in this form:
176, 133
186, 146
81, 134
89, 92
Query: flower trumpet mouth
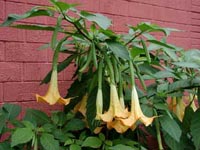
115, 108
136, 112
81, 106
53, 96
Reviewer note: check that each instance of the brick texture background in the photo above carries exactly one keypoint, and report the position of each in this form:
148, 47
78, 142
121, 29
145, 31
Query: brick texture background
22, 66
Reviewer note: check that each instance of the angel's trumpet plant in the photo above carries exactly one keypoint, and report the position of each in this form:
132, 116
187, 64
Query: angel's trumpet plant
53, 96
180, 108
115, 107
136, 112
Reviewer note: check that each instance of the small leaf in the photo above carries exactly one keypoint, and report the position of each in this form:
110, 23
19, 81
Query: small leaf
92, 142
74, 147
195, 129
62, 5
118, 49
21, 135
48, 142
171, 127
99, 19
33, 27
74, 125
187, 65
161, 44
5, 146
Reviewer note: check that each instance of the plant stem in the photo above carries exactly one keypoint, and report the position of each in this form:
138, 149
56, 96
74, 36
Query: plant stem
159, 139
36, 144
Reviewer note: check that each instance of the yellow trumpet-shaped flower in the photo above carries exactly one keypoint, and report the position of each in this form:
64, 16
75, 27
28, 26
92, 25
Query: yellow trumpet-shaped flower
118, 126
136, 112
53, 96
180, 108
115, 108
81, 106
99, 104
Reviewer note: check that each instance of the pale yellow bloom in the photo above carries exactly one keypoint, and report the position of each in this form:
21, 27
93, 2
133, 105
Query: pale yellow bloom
53, 96
136, 112
115, 108
81, 106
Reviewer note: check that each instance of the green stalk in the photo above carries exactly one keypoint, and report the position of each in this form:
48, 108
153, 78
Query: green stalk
159, 139
110, 67
132, 72
100, 71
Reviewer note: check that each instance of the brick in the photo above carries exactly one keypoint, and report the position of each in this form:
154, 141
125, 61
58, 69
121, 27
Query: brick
120, 23
87, 5
196, 2
195, 21
11, 34
181, 42
195, 9
38, 36
195, 15
195, 35
195, 42
10, 71
1, 93
2, 51
26, 52
18, 91
2, 10
118, 7
15, 8
69, 72
37, 71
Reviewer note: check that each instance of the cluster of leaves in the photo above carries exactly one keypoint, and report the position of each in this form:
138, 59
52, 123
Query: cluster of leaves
172, 72
59, 131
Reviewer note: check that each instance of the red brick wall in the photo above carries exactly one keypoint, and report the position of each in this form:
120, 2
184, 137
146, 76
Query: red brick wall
22, 66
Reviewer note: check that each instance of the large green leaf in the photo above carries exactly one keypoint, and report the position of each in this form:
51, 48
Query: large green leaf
99, 19
148, 27
135, 51
3, 119
48, 142
170, 127
21, 135
5, 146
195, 129
74, 147
36, 11
36, 117
187, 64
33, 27
61, 66
93, 142
74, 125
122, 147
118, 49
11, 110
187, 119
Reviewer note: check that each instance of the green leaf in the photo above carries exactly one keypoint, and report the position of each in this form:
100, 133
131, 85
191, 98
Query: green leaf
36, 11
36, 117
161, 44
195, 129
48, 142
74, 147
99, 19
187, 64
33, 27
118, 49
12, 110
187, 119
5, 146
170, 127
135, 51
3, 119
21, 135
61, 66
92, 142
173, 144
74, 125
62, 5
122, 147
164, 74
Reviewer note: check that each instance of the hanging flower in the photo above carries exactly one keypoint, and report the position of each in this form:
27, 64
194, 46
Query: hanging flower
81, 106
115, 108
136, 112
53, 96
